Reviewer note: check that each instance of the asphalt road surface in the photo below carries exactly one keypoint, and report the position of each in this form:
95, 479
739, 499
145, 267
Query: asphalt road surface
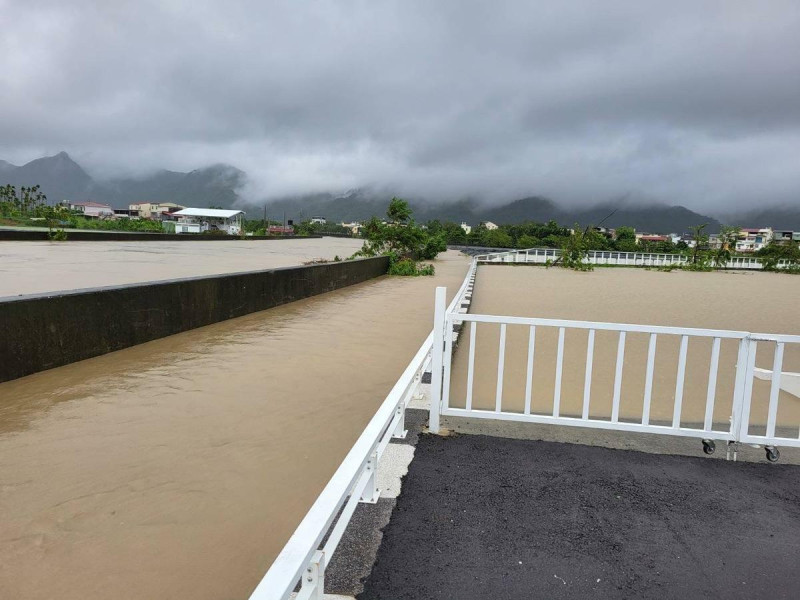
483, 517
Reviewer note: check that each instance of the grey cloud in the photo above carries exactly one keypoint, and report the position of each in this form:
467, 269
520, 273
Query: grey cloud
685, 102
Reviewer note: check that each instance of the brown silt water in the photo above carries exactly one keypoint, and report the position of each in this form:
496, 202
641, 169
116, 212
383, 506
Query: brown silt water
34, 267
180, 467
742, 301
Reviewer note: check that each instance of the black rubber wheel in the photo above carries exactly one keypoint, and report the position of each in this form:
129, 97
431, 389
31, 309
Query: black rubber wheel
773, 454
709, 446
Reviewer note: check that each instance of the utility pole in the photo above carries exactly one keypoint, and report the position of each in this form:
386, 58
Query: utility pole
284, 223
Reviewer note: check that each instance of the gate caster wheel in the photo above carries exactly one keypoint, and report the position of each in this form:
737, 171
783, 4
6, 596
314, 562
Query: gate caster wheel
773, 454
709, 446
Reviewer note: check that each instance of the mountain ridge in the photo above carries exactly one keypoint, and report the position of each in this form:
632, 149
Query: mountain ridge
60, 177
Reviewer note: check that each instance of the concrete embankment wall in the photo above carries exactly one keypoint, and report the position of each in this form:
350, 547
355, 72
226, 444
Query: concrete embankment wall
17, 235
42, 331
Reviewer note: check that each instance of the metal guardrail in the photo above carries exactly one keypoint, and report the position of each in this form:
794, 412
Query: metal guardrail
739, 429
302, 560
605, 257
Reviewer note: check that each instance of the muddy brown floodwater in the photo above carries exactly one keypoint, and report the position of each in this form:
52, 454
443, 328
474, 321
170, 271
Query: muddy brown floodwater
179, 468
32, 267
742, 301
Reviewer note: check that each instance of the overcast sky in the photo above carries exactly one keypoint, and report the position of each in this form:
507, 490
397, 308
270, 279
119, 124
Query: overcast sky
687, 102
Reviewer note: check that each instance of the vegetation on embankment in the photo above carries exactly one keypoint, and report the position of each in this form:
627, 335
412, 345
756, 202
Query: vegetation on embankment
402, 240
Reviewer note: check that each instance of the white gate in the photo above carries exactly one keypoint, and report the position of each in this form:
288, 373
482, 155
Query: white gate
739, 426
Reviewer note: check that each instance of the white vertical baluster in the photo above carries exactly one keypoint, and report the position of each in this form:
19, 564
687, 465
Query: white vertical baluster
587, 380
775, 389
708, 423
618, 378
648, 380
676, 414
559, 368
529, 372
471, 366
501, 359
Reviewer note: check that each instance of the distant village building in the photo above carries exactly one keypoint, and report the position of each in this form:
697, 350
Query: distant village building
355, 227
318, 220
93, 210
154, 210
753, 240
786, 237
605, 231
489, 225
198, 220
649, 237
467, 229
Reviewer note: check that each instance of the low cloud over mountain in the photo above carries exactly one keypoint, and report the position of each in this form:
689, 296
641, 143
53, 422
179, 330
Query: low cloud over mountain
681, 102
223, 185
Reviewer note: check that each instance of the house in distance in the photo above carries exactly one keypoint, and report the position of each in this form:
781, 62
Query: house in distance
199, 220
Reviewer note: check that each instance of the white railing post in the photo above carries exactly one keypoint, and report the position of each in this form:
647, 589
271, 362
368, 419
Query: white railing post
371, 493
313, 586
400, 431
437, 354
738, 388
743, 388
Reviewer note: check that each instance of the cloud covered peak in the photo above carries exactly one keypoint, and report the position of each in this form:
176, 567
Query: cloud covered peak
682, 102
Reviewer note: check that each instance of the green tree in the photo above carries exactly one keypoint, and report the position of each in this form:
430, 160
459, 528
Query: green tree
774, 252
398, 211
700, 239
402, 239
528, 241
625, 240
574, 251
496, 238
727, 238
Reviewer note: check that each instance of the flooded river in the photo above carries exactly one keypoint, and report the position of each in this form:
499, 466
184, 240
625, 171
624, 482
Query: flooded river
178, 468
742, 301
32, 267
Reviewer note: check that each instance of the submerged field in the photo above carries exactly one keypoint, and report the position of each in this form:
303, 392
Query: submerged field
742, 301
34, 267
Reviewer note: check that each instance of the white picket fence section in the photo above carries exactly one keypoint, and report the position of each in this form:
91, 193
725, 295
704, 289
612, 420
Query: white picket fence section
302, 560
627, 259
737, 430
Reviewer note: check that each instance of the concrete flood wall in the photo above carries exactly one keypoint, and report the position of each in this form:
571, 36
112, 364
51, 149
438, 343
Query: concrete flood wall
43, 331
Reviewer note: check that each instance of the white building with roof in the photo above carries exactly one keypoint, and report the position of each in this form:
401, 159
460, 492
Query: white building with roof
93, 210
198, 220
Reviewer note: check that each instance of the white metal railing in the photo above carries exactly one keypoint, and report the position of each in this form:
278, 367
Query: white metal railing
739, 427
611, 257
302, 560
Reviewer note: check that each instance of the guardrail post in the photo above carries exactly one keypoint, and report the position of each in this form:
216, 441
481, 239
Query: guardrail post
371, 493
437, 354
400, 431
313, 586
